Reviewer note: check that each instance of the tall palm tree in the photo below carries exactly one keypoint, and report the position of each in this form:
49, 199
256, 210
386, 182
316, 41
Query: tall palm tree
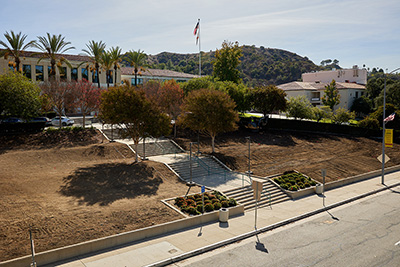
95, 50
15, 47
137, 59
52, 46
107, 63
116, 54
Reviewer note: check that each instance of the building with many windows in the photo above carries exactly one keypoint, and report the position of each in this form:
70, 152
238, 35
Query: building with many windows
39, 71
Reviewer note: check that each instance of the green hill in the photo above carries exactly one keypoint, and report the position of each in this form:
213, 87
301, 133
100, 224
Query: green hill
259, 65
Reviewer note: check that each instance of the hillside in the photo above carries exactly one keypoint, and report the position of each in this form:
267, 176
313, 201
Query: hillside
258, 65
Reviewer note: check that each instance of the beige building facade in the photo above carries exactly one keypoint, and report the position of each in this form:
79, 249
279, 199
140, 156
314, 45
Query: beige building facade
354, 75
38, 71
314, 91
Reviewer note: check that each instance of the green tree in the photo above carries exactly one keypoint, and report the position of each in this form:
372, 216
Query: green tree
136, 115
52, 47
237, 92
392, 94
390, 108
95, 51
342, 115
361, 106
19, 96
116, 55
331, 95
227, 60
136, 59
267, 99
15, 47
209, 111
320, 113
197, 83
299, 108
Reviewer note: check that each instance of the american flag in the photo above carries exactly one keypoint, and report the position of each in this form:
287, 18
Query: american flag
390, 117
197, 31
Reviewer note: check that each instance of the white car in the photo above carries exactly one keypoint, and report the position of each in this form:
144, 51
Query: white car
65, 121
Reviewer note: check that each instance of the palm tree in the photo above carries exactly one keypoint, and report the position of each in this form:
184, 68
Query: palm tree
16, 47
95, 50
137, 59
116, 54
107, 63
52, 46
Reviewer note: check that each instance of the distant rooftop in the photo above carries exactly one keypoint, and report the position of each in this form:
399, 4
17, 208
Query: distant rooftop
313, 86
158, 73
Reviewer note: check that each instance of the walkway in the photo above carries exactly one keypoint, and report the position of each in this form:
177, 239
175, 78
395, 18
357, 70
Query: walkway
182, 244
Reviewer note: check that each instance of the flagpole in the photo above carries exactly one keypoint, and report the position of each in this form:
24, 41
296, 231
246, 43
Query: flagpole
199, 51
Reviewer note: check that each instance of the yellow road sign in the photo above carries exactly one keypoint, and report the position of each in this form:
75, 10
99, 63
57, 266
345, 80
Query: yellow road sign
388, 137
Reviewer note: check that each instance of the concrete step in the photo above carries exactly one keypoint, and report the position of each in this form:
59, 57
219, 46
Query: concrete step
272, 194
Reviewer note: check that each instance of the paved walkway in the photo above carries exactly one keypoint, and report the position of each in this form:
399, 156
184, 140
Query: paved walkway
188, 242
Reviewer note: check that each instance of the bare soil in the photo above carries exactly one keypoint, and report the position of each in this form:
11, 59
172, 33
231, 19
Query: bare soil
72, 187
274, 152
68, 192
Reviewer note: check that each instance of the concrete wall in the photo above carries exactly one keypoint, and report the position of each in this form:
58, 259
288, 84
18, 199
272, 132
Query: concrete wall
80, 249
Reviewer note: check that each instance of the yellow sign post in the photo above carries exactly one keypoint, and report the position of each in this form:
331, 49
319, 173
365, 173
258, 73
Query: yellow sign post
388, 137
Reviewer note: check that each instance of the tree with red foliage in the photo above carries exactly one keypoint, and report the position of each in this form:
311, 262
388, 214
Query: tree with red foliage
170, 99
87, 97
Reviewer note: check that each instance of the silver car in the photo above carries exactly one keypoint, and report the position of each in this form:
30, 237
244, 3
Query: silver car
65, 121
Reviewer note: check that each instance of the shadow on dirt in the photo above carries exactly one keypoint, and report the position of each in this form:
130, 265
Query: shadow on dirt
103, 184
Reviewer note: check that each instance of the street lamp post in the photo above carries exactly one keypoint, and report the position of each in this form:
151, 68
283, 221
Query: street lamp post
190, 162
383, 126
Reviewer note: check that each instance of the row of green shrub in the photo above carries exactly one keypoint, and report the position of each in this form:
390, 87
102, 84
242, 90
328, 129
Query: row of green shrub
193, 204
294, 181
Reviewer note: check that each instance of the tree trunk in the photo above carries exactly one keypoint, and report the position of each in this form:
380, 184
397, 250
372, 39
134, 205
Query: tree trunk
84, 120
135, 78
136, 153
212, 143
107, 77
98, 76
115, 71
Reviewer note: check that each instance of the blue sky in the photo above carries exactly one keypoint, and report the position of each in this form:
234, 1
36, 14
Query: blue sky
354, 32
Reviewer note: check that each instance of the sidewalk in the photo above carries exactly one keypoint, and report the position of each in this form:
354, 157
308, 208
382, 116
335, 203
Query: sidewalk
175, 246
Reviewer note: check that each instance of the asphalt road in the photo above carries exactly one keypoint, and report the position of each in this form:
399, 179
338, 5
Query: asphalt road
364, 233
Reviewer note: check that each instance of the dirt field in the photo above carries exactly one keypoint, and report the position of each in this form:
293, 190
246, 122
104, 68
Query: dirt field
75, 192
274, 152
71, 187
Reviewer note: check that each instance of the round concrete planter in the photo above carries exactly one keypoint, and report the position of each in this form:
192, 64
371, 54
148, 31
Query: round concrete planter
319, 188
223, 215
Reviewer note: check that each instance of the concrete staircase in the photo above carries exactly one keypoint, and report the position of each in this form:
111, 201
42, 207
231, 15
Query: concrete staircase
270, 194
202, 166
157, 148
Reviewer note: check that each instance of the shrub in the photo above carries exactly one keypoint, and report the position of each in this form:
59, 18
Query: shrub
293, 188
197, 196
217, 206
190, 202
199, 208
232, 202
214, 200
369, 123
192, 210
225, 204
190, 197
209, 207
285, 186
207, 201
179, 201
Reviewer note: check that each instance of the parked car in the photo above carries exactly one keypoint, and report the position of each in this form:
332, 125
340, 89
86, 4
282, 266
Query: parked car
65, 121
47, 121
12, 120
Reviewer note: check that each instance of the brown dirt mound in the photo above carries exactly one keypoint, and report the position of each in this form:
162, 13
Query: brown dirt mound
275, 152
69, 195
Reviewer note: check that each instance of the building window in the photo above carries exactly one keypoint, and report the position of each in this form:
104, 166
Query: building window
74, 74
27, 71
63, 73
39, 73
85, 75
95, 77
356, 94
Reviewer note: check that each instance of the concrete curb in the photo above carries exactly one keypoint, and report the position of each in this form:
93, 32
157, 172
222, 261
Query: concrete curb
265, 229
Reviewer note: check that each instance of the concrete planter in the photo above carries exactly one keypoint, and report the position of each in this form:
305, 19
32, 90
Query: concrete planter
223, 215
319, 188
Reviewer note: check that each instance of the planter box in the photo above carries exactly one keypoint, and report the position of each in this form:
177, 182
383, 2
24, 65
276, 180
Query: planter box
299, 193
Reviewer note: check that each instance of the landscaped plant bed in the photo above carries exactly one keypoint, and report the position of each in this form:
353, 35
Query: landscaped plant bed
193, 204
296, 184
